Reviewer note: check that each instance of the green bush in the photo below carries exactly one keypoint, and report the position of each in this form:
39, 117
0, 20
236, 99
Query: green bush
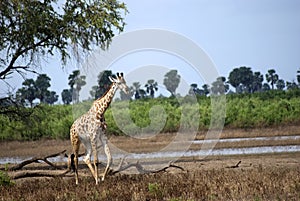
158, 115
5, 179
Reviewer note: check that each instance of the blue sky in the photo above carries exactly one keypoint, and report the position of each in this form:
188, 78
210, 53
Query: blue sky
261, 34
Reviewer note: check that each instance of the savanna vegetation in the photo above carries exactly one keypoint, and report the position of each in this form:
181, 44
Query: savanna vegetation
31, 31
242, 111
272, 183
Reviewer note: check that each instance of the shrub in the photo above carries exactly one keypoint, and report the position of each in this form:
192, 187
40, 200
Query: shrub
5, 179
158, 115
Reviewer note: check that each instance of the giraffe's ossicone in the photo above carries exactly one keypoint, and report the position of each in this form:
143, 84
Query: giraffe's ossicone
90, 130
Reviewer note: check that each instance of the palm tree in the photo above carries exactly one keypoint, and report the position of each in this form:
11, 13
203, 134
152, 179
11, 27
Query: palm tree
77, 80
272, 77
136, 89
257, 83
298, 76
280, 84
171, 81
151, 87
219, 86
42, 83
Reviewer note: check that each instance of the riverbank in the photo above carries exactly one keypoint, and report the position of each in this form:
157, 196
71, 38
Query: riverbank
148, 144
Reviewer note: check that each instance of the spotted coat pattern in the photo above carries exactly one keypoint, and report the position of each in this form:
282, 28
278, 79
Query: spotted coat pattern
89, 129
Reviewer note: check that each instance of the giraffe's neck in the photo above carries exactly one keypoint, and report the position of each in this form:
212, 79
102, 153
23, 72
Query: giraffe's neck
101, 104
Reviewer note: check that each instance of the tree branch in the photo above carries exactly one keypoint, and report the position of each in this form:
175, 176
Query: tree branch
235, 166
63, 173
19, 52
36, 160
141, 169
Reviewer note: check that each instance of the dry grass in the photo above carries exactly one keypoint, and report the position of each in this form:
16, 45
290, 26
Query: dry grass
261, 183
259, 177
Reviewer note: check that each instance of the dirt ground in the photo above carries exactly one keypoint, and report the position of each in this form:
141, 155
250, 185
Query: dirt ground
257, 177
143, 144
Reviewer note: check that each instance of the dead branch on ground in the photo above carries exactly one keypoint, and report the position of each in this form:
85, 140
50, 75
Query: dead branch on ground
235, 166
140, 168
15, 172
25, 174
37, 160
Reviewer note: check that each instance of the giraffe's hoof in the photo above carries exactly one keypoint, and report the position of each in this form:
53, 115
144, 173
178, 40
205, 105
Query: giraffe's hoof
102, 177
97, 181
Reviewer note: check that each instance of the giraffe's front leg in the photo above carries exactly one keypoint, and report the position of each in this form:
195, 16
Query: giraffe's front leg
87, 160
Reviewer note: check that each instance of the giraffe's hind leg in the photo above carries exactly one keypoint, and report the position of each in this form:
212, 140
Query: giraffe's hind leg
109, 160
75, 145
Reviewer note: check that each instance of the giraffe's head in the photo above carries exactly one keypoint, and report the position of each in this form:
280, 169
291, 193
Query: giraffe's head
120, 82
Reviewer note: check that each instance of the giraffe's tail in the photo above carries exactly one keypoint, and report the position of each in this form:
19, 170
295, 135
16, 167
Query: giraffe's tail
71, 164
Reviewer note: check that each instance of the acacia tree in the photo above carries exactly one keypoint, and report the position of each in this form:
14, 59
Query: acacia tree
36, 89
241, 78
32, 29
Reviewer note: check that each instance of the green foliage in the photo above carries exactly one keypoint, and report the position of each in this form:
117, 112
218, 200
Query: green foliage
31, 29
38, 88
76, 81
242, 78
171, 81
151, 87
155, 190
42, 121
158, 115
5, 179
103, 83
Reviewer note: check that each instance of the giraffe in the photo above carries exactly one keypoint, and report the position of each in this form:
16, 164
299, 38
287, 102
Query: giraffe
90, 128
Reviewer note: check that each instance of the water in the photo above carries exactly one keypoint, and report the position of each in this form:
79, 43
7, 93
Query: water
277, 138
196, 153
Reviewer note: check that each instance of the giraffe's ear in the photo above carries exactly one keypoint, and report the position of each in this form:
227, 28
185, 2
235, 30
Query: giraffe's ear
111, 79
